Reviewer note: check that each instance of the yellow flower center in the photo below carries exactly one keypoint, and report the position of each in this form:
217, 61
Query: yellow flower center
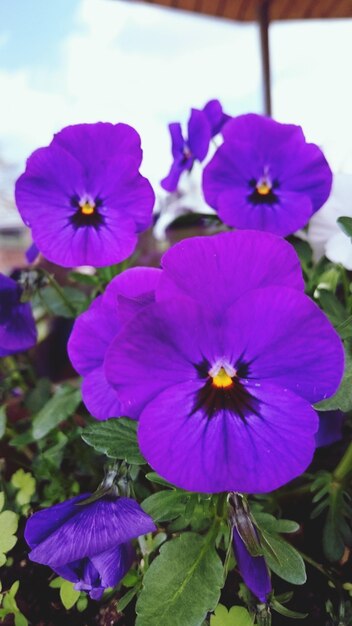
222, 379
263, 188
87, 208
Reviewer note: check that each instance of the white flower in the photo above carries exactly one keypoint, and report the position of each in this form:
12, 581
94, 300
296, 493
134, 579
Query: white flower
324, 234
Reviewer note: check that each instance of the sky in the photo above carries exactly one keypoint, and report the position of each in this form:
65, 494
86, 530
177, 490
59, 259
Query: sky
71, 61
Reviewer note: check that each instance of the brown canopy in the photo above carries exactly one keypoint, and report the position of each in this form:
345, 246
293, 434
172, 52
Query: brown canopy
247, 10
263, 11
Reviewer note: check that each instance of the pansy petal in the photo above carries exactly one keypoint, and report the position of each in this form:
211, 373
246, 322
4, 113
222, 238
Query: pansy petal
40, 525
132, 290
217, 270
98, 142
94, 528
281, 336
99, 321
281, 218
155, 350
253, 570
330, 427
113, 564
170, 182
199, 134
99, 396
225, 452
177, 140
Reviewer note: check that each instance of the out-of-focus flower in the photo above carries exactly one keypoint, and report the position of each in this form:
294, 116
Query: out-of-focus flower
218, 366
88, 544
266, 176
83, 196
17, 327
95, 329
324, 234
202, 126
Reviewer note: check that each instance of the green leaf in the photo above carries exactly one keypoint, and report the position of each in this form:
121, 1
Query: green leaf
342, 399
283, 610
345, 224
2, 500
2, 421
272, 525
165, 505
56, 583
20, 620
8, 528
182, 584
333, 308
56, 304
126, 599
39, 396
68, 595
25, 483
287, 563
61, 406
236, 616
117, 438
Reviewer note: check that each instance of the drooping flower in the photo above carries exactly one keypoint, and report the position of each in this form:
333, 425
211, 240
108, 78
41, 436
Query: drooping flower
17, 326
324, 234
223, 368
95, 329
83, 196
88, 544
266, 176
202, 126
253, 569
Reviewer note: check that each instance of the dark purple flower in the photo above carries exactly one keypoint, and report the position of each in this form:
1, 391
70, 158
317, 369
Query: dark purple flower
216, 116
253, 569
17, 326
330, 427
88, 544
223, 368
95, 329
83, 196
266, 176
186, 151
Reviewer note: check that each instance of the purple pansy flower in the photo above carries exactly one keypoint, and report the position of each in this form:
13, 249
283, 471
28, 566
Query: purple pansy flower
223, 368
330, 427
83, 196
95, 329
253, 569
17, 326
266, 176
186, 151
88, 544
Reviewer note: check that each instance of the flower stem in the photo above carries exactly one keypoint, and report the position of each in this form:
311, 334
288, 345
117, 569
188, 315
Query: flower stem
60, 292
344, 467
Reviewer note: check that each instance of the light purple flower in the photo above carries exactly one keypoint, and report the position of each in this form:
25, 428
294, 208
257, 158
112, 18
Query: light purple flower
223, 368
17, 326
266, 176
88, 544
95, 329
83, 196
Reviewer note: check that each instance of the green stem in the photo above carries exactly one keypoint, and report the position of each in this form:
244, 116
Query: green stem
316, 565
60, 292
345, 465
346, 286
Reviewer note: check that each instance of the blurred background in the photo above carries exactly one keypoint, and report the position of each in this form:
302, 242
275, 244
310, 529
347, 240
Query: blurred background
69, 61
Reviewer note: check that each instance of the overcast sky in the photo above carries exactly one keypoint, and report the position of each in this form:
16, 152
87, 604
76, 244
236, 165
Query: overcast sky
68, 61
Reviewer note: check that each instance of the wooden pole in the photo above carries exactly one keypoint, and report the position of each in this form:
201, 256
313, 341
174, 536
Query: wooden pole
264, 20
